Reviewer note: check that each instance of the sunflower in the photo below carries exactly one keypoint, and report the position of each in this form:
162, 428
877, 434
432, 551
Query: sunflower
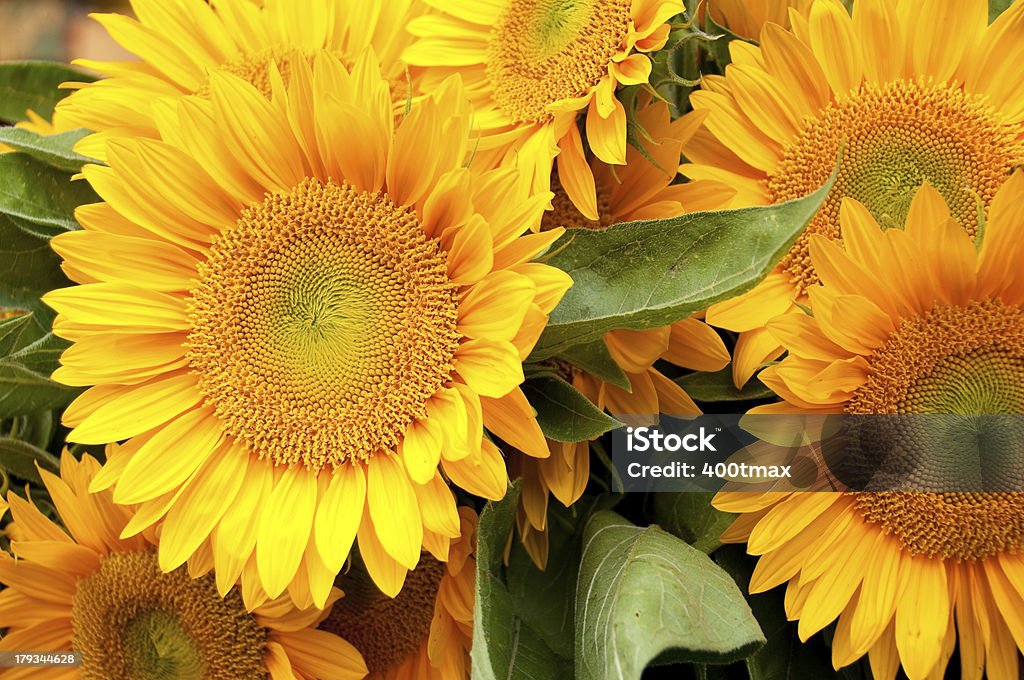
746, 18
295, 313
89, 590
904, 321
426, 632
180, 43
642, 189
910, 92
532, 65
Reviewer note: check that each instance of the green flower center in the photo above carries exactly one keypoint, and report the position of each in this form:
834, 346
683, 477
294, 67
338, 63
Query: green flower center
952, 362
133, 622
894, 138
322, 322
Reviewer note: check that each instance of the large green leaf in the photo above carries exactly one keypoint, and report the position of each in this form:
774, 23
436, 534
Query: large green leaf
719, 386
644, 595
19, 458
32, 191
34, 85
647, 274
563, 413
55, 150
504, 645
28, 268
545, 599
28, 356
691, 517
595, 359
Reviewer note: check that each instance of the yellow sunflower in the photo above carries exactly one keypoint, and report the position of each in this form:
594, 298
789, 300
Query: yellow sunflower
912, 91
642, 189
531, 66
180, 42
89, 590
295, 313
426, 632
904, 321
746, 18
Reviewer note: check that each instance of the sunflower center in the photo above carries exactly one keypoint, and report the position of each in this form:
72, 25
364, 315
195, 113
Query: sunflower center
544, 51
894, 138
131, 620
564, 213
959, 361
255, 69
322, 322
385, 630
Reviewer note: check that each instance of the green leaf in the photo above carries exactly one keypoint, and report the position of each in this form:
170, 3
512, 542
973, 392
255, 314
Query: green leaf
647, 274
28, 356
997, 7
563, 413
34, 85
19, 458
644, 595
691, 517
718, 386
595, 359
28, 268
32, 191
783, 656
505, 647
55, 150
545, 600
34, 428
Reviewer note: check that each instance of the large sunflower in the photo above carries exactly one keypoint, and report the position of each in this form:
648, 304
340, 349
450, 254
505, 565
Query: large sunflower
910, 92
904, 321
642, 189
532, 65
426, 632
295, 313
89, 590
180, 42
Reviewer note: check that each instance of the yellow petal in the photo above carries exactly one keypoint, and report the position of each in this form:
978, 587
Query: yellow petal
491, 367
607, 135
169, 457
513, 420
201, 505
494, 308
339, 514
394, 510
485, 477
385, 571
285, 525
575, 175
922, 617
420, 449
